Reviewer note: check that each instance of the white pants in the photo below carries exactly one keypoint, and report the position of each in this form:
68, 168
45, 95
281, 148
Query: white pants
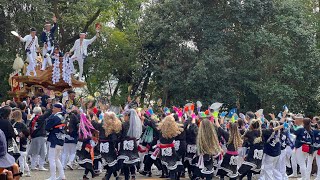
54, 162
69, 153
310, 162
46, 60
269, 171
305, 162
37, 160
294, 162
289, 152
32, 63
281, 165
318, 165
80, 62
23, 162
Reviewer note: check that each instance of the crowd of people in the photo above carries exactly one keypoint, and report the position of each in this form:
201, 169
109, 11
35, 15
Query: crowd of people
179, 142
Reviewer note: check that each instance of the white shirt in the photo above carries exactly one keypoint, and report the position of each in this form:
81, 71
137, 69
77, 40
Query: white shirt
81, 49
27, 39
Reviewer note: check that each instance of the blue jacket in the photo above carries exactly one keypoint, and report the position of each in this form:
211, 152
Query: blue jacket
286, 140
56, 134
303, 137
272, 146
316, 143
50, 37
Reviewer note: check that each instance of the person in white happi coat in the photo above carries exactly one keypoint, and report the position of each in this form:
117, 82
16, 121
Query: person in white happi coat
31, 48
80, 49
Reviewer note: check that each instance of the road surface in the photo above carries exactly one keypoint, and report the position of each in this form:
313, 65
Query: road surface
77, 175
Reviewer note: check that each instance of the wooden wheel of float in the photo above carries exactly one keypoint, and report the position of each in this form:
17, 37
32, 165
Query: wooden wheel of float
43, 79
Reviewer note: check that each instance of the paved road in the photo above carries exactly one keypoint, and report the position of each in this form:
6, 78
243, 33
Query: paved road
77, 175
72, 175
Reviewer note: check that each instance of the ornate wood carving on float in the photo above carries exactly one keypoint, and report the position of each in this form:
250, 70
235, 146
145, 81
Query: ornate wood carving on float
23, 86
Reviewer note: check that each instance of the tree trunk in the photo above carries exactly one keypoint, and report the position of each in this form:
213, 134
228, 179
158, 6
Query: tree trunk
165, 96
136, 86
115, 92
145, 87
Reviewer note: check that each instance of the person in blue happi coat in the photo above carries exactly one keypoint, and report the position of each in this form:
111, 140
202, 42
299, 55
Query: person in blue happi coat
47, 38
56, 128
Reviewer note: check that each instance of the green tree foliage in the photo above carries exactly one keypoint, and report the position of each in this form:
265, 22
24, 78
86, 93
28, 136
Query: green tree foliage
248, 54
112, 57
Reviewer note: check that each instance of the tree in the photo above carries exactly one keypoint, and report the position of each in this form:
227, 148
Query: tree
252, 54
108, 56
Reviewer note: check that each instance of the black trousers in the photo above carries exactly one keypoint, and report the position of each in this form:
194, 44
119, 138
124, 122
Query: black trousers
86, 172
110, 171
96, 164
148, 162
127, 170
248, 174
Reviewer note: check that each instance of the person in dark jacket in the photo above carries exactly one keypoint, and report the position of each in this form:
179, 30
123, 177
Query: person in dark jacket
304, 149
6, 127
38, 142
169, 130
55, 126
70, 143
272, 151
21, 139
54, 55
23, 107
229, 164
191, 130
180, 146
47, 38
88, 138
149, 139
316, 145
108, 141
97, 124
128, 151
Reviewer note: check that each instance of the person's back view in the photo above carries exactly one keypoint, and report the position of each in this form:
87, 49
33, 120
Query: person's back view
38, 142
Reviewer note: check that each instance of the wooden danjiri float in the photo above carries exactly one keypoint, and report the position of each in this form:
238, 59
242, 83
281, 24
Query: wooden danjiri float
25, 86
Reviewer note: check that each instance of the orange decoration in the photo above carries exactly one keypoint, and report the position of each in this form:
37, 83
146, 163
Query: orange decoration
192, 107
